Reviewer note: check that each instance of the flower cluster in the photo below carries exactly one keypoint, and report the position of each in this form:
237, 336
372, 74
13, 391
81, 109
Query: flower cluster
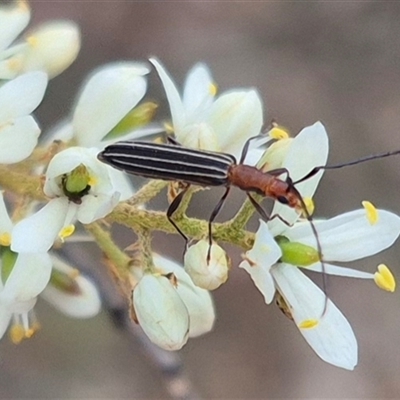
54, 184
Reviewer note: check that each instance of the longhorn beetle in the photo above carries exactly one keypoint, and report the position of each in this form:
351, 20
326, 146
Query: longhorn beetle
205, 168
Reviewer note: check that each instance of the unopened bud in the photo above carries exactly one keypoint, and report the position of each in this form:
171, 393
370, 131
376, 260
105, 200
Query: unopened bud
161, 312
207, 274
197, 300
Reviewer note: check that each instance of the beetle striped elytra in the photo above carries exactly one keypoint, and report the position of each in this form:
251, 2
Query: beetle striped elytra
205, 168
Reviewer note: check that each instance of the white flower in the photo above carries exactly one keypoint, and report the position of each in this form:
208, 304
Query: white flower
81, 187
23, 278
207, 275
19, 131
70, 292
51, 48
347, 237
169, 307
109, 94
201, 121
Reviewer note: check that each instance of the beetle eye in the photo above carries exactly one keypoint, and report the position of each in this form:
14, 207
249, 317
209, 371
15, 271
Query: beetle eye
283, 199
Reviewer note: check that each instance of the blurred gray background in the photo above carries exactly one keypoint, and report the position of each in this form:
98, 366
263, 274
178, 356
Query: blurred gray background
338, 62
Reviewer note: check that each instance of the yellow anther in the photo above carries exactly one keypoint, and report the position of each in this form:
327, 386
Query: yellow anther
308, 324
29, 333
5, 239
372, 212
35, 326
384, 278
23, 5
213, 89
66, 231
92, 181
32, 41
17, 333
74, 273
14, 64
278, 133
310, 206
168, 127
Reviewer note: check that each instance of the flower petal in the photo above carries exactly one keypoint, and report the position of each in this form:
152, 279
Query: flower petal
20, 96
308, 150
38, 232
332, 338
259, 260
340, 271
95, 207
198, 94
13, 20
28, 278
110, 93
199, 136
52, 47
178, 112
349, 236
235, 117
121, 183
18, 139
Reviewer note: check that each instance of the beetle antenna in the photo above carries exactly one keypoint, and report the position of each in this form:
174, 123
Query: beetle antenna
354, 162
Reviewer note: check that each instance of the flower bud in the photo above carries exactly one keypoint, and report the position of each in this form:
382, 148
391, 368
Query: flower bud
198, 301
161, 312
207, 275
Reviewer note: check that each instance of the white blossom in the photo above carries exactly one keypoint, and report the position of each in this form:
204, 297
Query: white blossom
347, 237
51, 47
202, 120
96, 196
